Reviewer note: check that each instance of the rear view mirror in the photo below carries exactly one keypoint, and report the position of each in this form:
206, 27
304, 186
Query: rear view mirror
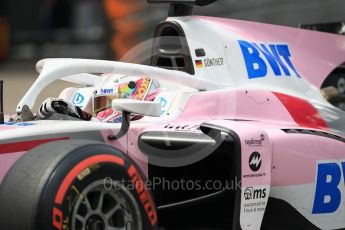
128, 106
147, 108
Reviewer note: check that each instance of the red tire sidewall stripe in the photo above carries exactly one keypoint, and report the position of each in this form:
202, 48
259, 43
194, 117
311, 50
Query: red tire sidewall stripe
104, 158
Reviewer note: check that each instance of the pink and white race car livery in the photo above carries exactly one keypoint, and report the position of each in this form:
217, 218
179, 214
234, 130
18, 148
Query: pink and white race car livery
231, 130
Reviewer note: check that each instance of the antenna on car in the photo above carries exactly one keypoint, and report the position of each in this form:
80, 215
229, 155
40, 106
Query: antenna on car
182, 7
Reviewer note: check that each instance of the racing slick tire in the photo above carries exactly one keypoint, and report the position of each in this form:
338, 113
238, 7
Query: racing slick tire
75, 185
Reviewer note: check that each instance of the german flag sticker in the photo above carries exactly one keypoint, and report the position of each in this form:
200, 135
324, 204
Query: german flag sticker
199, 64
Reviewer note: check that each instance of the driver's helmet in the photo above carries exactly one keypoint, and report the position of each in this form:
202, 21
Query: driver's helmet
116, 86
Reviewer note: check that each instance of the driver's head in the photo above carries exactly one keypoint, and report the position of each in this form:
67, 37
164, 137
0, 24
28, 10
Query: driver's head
115, 86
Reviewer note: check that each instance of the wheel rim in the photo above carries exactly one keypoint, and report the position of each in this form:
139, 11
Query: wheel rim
98, 208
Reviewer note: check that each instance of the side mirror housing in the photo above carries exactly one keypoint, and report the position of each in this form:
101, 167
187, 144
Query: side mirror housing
146, 108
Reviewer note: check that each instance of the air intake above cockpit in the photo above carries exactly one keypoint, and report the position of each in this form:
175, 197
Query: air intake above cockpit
170, 48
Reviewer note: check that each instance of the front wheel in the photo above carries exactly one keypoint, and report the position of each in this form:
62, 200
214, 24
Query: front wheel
75, 185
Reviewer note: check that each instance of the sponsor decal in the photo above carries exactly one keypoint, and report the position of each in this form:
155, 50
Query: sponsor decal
183, 127
258, 57
18, 124
210, 62
254, 200
251, 193
255, 161
329, 184
57, 218
255, 141
78, 99
199, 64
144, 195
107, 91
163, 103
116, 120
253, 175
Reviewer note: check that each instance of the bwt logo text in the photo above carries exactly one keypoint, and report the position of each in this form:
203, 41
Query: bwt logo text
329, 187
258, 56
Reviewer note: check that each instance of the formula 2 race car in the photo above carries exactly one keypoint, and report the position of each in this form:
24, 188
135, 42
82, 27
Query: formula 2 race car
237, 135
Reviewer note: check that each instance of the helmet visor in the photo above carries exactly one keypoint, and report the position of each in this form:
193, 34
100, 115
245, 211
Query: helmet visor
103, 102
